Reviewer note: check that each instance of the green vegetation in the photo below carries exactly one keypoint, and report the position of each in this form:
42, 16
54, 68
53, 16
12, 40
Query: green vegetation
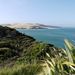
23, 55
23, 69
63, 64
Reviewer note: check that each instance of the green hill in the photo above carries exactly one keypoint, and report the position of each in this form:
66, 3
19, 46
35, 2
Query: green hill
22, 55
15, 45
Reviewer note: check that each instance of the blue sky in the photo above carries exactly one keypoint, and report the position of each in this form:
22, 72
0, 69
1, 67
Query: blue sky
52, 12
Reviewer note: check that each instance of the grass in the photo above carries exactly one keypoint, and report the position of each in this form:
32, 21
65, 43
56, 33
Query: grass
21, 69
23, 55
62, 64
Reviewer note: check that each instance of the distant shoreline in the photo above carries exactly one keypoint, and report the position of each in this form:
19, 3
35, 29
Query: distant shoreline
31, 26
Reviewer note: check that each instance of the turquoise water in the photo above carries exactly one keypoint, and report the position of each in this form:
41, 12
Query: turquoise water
53, 36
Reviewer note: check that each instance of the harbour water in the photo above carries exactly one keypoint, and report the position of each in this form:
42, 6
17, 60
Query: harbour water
52, 36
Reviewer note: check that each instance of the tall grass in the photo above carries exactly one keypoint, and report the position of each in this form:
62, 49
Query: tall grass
61, 64
21, 69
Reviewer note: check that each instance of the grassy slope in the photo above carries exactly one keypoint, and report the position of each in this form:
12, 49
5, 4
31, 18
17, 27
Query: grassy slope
16, 45
16, 48
22, 55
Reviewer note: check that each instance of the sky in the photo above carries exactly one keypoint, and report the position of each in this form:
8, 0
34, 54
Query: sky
51, 12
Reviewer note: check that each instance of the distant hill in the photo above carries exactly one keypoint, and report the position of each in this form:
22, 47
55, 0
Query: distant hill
31, 26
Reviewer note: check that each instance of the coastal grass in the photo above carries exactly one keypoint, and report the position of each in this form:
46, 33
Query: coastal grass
58, 63
21, 69
63, 64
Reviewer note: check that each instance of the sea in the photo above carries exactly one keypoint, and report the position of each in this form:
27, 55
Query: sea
52, 36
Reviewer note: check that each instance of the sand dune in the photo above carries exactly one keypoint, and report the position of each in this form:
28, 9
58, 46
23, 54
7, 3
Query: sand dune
31, 26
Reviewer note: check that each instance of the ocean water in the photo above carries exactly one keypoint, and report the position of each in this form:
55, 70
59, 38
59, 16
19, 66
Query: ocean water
52, 36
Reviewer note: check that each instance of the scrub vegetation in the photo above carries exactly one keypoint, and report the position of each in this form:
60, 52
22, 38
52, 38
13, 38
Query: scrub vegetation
22, 55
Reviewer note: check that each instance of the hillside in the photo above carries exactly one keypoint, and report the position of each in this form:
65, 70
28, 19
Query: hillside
22, 55
31, 26
14, 45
